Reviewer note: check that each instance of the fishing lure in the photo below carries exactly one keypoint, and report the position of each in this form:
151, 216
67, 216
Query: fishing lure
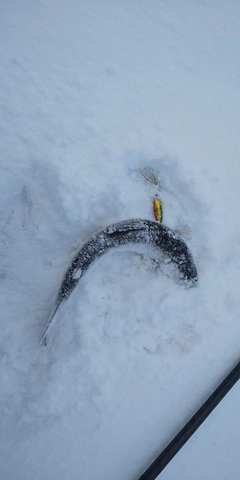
150, 175
157, 210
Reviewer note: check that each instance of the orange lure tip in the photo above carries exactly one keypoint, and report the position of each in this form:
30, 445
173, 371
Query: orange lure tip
157, 210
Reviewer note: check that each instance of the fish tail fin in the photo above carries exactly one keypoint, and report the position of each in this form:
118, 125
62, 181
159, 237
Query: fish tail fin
51, 321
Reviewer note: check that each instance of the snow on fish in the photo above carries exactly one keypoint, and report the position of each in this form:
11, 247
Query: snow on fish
128, 232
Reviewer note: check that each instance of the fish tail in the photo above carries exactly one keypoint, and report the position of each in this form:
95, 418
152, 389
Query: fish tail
51, 321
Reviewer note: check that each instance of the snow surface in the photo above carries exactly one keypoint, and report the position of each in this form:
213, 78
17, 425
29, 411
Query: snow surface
91, 91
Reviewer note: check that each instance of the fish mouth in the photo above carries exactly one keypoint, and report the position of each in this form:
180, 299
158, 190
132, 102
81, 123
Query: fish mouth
192, 281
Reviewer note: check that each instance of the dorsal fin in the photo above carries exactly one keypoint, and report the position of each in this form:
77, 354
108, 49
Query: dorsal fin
128, 225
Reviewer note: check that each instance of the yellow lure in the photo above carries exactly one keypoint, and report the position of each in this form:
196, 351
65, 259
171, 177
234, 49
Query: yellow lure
157, 210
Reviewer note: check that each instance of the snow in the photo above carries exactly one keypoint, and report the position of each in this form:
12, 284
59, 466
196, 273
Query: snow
89, 93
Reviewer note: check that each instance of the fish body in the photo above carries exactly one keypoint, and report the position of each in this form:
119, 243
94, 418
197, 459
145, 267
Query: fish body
128, 232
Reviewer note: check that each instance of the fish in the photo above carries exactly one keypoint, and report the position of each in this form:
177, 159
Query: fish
126, 232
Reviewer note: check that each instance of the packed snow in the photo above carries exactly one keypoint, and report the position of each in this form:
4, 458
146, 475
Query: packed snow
91, 92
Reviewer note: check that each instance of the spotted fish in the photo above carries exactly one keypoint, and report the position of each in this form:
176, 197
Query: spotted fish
128, 232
